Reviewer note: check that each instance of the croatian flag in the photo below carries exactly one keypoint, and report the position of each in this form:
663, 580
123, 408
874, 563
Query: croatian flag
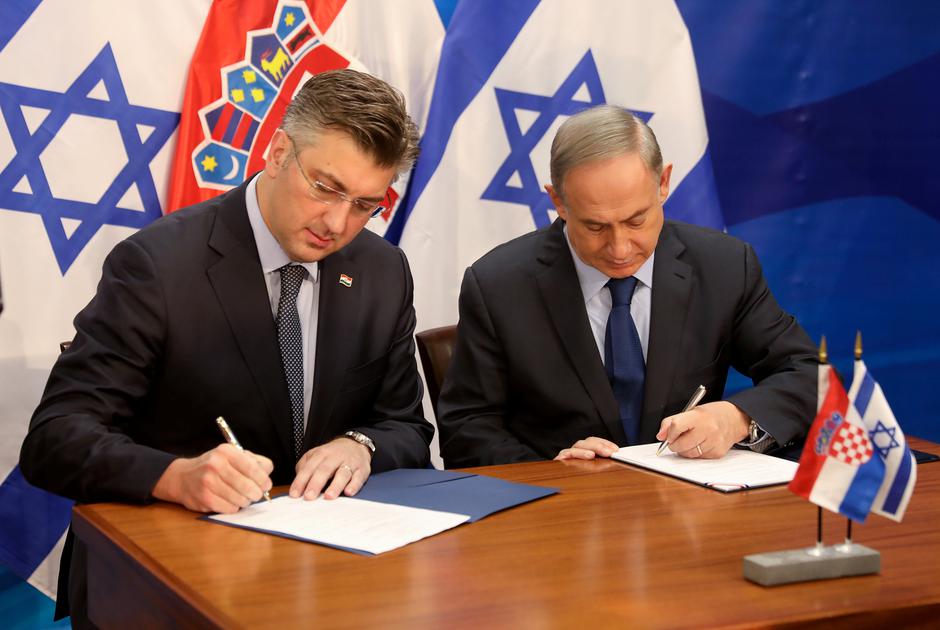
254, 56
888, 442
510, 73
838, 469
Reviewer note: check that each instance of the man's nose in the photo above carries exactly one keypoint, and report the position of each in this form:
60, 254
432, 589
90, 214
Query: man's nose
336, 215
619, 244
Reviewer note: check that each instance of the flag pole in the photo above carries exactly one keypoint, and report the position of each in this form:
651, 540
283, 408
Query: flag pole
819, 543
858, 357
823, 360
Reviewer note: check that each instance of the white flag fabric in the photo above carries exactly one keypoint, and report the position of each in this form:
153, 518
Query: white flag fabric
90, 94
510, 74
889, 443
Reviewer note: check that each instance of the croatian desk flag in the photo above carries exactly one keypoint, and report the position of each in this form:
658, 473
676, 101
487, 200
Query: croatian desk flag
889, 443
838, 468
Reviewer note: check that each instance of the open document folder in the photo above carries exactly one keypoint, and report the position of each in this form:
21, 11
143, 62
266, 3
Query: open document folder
737, 470
393, 509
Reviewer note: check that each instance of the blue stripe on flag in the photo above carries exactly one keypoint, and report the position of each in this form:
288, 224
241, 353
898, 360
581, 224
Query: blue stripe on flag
856, 504
12, 17
695, 199
31, 523
865, 391
478, 37
899, 485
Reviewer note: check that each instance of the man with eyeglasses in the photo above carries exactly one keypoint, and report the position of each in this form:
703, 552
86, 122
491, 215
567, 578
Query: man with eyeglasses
268, 305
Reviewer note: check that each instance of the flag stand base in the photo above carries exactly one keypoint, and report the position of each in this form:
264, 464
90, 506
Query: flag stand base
812, 563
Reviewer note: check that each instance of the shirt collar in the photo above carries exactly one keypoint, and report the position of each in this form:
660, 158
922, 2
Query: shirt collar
592, 280
271, 255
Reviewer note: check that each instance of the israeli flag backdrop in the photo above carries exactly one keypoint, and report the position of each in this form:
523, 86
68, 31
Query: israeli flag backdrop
509, 75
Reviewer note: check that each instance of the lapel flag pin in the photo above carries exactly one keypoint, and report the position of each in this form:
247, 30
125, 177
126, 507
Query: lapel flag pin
345, 280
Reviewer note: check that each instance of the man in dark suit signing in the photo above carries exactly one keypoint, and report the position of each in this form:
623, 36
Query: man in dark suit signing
595, 331
268, 305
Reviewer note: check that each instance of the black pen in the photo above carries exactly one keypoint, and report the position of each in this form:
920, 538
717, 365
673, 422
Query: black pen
231, 439
696, 396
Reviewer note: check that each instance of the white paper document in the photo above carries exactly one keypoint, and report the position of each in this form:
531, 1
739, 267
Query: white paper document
343, 522
737, 470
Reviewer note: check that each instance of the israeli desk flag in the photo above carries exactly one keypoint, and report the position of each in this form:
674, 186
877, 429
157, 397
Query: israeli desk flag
888, 442
510, 73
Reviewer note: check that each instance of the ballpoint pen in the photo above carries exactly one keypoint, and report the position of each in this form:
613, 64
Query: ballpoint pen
696, 396
231, 439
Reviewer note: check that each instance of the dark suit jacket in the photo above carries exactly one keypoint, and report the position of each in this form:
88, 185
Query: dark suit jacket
181, 331
527, 380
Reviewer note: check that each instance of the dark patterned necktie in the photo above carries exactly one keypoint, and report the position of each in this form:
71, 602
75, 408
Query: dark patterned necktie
623, 357
291, 342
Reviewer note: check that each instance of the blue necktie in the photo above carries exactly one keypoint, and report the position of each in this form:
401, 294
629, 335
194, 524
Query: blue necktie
623, 357
290, 340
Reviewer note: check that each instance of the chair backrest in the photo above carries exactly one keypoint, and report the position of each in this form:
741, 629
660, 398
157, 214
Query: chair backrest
436, 347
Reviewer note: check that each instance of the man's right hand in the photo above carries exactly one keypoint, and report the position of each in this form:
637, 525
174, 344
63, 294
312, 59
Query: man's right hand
224, 480
588, 448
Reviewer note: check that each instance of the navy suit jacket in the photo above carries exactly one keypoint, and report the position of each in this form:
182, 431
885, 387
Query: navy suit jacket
180, 331
527, 380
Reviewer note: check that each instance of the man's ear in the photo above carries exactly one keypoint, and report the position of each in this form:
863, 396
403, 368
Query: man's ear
664, 183
556, 199
279, 152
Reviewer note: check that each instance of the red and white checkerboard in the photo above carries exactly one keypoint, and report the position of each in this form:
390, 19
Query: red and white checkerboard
851, 445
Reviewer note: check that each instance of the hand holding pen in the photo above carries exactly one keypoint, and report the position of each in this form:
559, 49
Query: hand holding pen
694, 400
231, 439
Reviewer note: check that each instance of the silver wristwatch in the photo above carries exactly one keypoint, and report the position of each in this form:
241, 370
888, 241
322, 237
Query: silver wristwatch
362, 438
753, 432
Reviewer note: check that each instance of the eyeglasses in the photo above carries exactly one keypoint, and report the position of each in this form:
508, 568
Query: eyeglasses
325, 194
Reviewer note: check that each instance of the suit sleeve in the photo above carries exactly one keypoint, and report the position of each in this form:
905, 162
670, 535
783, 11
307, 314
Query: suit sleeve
78, 444
770, 347
475, 395
399, 430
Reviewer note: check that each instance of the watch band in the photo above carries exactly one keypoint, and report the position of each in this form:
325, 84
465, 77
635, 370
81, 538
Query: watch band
362, 438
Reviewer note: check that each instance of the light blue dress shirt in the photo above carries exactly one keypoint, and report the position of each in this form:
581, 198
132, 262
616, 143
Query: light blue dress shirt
308, 299
598, 302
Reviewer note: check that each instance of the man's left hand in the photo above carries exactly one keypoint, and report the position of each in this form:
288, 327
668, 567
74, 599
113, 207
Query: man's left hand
707, 431
344, 463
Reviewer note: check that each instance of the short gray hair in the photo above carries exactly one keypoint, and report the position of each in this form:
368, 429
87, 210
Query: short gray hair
599, 133
370, 110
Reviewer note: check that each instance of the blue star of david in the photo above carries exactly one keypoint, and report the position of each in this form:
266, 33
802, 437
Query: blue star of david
883, 439
562, 103
29, 146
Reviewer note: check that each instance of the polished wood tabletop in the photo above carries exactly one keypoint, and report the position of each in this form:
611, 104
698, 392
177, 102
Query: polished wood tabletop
618, 547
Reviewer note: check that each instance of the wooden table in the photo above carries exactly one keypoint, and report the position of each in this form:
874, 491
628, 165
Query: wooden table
618, 547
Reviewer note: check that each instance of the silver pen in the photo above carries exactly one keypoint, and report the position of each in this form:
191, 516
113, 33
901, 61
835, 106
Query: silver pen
696, 396
231, 439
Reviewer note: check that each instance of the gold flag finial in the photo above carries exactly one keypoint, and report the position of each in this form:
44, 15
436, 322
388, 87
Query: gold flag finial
858, 345
823, 353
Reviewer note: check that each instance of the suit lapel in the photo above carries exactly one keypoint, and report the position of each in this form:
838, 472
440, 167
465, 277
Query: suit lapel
672, 284
337, 319
238, 282
560, 289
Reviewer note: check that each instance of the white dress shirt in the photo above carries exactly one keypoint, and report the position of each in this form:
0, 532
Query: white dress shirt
273, 258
